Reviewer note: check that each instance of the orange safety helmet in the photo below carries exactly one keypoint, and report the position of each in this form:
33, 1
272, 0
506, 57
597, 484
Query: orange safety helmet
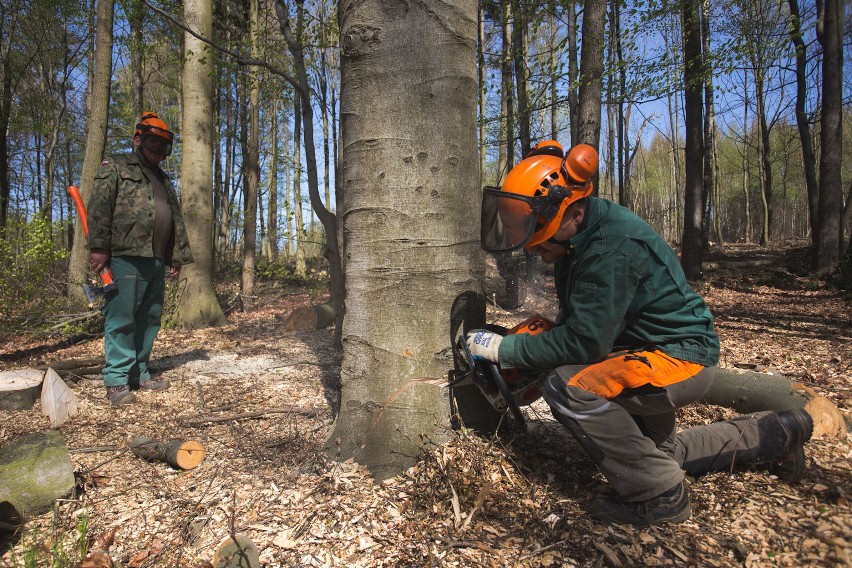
528, 209
154, 134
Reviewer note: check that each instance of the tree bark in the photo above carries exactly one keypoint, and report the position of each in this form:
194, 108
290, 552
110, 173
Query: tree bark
34, 472
252, 162
692, 251
827, 238
410, 174
591, 73
198, 305
96, 133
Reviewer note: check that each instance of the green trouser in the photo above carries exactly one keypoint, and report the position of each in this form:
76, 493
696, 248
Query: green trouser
132, 316
634, 440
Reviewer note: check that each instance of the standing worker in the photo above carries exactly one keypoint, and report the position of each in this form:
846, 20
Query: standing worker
633, 343
136, 229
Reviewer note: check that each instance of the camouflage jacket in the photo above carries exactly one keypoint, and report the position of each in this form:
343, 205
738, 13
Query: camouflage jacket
121, 212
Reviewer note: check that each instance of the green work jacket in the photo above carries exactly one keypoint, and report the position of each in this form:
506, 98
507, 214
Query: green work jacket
620, 287
121, 212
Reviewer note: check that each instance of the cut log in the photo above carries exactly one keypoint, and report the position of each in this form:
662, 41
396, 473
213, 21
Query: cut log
747, 391
180, 454
237, 552
315, 317
34, 472
19, 388
58, 402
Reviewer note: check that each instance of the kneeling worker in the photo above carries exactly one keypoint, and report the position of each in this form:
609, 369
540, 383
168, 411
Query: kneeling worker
634, 342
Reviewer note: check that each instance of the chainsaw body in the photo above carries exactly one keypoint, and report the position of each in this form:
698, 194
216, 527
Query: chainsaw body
505, 389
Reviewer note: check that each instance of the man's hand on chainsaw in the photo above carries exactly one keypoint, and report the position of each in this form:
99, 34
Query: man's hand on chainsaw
98, 260
484, 344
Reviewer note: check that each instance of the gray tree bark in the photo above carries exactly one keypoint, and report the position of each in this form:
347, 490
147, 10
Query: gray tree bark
591, 74
409, 170
198, 305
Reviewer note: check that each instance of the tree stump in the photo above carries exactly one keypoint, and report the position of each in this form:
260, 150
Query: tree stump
238, 552
19, 388
180, 454
310, 318
34, 472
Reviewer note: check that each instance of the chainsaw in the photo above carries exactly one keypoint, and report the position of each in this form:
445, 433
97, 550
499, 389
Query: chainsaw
91, 289
507, 390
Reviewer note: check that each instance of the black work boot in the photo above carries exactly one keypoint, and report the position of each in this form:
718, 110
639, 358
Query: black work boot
671, 506
120, 395
798, 427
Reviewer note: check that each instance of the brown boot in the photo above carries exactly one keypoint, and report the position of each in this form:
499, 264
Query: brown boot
120, 395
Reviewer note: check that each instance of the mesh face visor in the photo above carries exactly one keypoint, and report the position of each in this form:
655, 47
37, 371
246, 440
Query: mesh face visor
508, 220
157, 140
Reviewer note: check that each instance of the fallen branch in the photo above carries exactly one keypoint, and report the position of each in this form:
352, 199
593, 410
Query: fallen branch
310, 412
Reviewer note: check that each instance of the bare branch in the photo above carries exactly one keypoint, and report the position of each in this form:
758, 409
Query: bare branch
236, 56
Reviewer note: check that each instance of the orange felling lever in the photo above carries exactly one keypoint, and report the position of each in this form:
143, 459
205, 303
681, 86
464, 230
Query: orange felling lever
106, 273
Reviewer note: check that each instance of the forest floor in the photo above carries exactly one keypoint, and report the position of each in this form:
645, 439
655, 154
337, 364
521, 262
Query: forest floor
513, 499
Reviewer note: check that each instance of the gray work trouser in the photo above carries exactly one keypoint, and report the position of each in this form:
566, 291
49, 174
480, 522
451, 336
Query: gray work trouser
633, 437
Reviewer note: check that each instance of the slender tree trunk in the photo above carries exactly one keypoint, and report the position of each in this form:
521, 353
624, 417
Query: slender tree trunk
95, 140
692, 250
591, 73
327, 218
551, 68
808, 155
828, 239
198, 305
507, 98
481, 94
419, 248
519, 56
573, 72
299, 236
272, 223
252, 162
709, 127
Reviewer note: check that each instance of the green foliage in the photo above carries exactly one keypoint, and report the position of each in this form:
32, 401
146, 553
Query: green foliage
28, 261
284, 272
58, 548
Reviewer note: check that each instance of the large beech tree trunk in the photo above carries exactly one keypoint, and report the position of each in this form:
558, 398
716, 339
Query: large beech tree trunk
410, 220
199, 305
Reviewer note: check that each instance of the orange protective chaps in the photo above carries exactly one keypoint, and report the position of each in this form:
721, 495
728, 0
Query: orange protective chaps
632, 370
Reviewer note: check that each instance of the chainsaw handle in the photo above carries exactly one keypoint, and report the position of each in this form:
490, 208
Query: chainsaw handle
506, 393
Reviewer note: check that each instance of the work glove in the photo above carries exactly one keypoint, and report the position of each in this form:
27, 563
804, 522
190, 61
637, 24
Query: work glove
484, 344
